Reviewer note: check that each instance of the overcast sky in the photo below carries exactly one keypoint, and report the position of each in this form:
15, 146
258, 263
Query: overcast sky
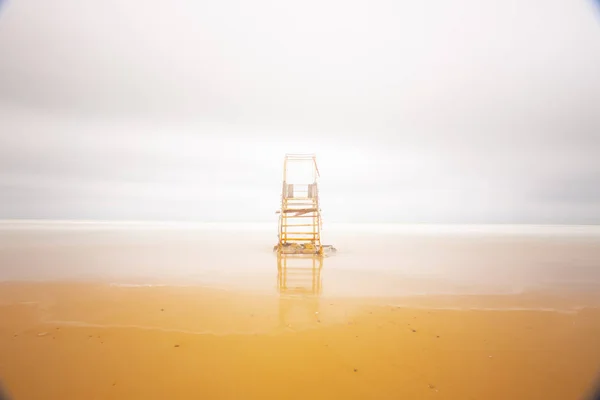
464, 111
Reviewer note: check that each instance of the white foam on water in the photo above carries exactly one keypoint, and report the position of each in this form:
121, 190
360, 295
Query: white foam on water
460, 229
130, 225
173, 285
566, 310
83, 324
135, 285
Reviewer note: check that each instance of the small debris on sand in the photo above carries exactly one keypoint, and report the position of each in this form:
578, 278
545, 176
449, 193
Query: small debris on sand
414, 330
42, 333
355, 370
176, 345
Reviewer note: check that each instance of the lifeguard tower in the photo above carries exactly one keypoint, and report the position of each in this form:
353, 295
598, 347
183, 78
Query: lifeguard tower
300, 214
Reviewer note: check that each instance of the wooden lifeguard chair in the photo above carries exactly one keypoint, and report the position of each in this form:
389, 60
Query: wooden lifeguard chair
300, 214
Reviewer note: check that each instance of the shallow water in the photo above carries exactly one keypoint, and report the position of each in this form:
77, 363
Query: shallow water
388, 260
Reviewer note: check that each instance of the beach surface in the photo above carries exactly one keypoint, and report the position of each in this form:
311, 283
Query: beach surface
185, 311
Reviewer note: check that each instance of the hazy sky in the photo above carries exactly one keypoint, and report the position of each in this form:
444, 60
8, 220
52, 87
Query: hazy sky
446, 111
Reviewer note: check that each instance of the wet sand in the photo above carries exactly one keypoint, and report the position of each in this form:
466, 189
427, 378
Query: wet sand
297, 330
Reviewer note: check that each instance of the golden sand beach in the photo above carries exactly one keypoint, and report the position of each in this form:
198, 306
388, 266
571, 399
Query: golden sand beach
297, 332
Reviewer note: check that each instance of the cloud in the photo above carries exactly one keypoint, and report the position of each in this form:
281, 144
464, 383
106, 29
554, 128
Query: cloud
467, 111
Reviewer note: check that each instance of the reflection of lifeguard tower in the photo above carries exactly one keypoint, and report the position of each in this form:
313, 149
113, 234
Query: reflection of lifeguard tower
299, 274
299, 285
300, 215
